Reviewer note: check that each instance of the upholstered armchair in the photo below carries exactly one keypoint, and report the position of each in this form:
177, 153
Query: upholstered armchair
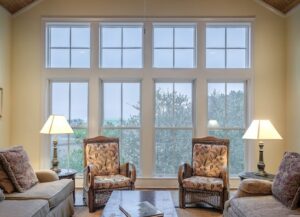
206, 180
103, 172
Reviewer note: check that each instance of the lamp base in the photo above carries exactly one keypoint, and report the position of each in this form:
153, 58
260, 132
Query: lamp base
261, 173
57, 170
55, 161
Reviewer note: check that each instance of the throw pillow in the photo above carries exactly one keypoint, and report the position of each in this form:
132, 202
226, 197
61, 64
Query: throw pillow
254, 187
5, 182
286, 185
16, 164
2, 196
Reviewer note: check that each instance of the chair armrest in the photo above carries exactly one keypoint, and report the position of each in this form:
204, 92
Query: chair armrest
254, 187
88, 180
184, 171
225, 178
46, 176
128, 170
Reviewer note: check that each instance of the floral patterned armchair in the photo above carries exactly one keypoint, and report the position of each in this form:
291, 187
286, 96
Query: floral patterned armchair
103, 172
207, 179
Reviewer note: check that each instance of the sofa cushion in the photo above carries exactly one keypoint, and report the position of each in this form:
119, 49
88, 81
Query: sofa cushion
204, 183
111, 182
16, 164
54, 192
24, 208
5, 182
260, 206
286, 184
209, 160
104, 157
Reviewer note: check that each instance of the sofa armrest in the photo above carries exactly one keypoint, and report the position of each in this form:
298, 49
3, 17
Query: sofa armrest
254, 187
46, 175
184, 171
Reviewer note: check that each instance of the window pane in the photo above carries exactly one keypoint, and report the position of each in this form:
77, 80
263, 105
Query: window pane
184, 37
163, 37
131, 104
111, 37
132, 37
80, 37
164, 104
215, 37
235, 104
60, 99
60, 58
59, 37
236, 37
215, 58
163, 58
111, 58
216, 104
236, 58
184, 58
132, 58
183, 105
80, 58
112, 133
112, 104
79, 105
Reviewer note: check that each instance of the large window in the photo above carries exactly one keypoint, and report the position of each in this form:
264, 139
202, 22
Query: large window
173, 126
68, 46
174, 46
227, 119
121, 46
121, 118
71, 100
227, 46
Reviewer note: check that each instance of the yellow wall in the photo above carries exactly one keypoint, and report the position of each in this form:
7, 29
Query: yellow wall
293, 81
269, 58
5, 72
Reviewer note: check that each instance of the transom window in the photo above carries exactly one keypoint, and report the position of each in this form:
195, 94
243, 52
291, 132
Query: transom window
227, 46
121, 118
174, 46
121, 46
173, 126
227, 119
68, 46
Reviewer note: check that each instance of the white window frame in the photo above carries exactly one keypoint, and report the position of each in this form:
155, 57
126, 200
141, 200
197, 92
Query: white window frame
122, 26
48, 43
173, 26
247, 49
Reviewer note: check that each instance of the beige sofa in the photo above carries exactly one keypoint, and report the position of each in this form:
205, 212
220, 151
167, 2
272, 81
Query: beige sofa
50, 197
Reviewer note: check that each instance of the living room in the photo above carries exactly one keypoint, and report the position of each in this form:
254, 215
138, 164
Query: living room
155, 74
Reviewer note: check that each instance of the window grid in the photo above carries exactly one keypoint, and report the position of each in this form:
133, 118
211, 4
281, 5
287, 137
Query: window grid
70, 48
122, 47
226, 47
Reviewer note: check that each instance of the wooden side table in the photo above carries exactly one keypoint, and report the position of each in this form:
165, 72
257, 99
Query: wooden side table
252, 175
68, 174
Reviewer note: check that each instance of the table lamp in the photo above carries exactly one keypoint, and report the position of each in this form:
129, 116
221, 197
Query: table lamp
55, 125
261, 130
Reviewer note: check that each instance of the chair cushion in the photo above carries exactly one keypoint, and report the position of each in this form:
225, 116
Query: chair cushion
111, 182
286, 184
105, 158
24, 208
260, 206
203, 183
54, 192
16, 164
209, 160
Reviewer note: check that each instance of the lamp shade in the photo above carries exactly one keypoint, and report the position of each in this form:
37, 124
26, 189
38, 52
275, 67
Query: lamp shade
56, 124
261, 129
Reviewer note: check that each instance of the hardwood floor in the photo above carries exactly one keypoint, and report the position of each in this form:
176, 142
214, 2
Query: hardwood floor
82, 211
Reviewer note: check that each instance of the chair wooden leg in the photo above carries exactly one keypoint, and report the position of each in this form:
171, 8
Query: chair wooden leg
181, 198
91, 201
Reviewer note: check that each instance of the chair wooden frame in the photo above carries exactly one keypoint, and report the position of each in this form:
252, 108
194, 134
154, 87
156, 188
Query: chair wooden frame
89, 191
192, 196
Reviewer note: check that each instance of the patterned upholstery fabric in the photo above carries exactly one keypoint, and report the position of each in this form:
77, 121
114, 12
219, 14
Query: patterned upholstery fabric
105, 157
16, 164
208, 160
286, 185
203, 183
111, 182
